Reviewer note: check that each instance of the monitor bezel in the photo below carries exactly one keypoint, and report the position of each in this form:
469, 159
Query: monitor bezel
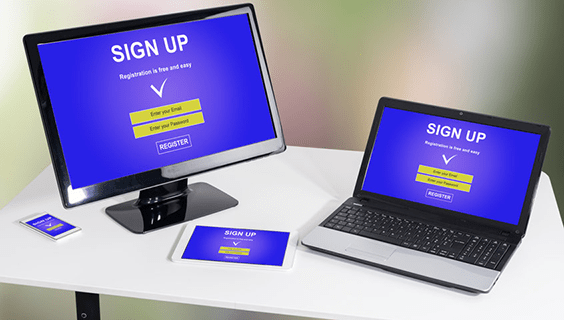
72, 197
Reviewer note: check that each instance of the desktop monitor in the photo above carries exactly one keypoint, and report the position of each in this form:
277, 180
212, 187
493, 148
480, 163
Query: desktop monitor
144, 104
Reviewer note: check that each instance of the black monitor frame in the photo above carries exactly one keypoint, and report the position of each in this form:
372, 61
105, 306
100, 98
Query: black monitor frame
158, 178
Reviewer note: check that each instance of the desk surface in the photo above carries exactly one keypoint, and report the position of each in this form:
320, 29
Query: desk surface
294, 190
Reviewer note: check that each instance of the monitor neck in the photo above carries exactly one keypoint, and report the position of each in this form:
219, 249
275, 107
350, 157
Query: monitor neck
169, 204
163, 193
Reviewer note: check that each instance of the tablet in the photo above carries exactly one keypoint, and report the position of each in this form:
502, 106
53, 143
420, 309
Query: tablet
236, 247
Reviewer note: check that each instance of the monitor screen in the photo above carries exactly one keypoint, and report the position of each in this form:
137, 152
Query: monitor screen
143, 103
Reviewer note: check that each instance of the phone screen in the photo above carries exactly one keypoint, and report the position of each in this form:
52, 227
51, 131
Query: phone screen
237, 245
50, 225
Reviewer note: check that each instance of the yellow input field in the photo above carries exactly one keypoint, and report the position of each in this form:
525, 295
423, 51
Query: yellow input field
239, 253
443, 182
234, 249
157, 127
165, 111
445, 174
55, 227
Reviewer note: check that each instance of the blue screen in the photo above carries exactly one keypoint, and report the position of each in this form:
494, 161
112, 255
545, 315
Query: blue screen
50, 225
134, 101
457, 165
237, 245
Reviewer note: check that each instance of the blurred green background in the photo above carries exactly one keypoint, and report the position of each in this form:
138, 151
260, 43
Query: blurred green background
330, 62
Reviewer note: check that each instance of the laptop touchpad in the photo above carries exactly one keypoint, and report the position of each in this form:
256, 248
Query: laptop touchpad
380, 251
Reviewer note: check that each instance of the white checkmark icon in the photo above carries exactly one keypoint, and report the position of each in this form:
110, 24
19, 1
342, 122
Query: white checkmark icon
236, 243
159, 92
447, 160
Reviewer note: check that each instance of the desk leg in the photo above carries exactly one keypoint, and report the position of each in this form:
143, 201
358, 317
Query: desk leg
87, 306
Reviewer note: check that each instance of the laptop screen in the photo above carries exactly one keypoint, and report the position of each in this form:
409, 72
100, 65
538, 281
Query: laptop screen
472, 168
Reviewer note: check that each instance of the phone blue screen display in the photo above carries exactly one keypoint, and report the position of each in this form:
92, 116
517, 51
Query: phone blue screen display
50, 225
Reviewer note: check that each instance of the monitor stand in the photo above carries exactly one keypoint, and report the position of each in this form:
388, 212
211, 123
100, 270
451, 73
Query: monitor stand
169, 204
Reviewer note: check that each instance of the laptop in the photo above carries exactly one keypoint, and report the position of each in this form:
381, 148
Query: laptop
442, 195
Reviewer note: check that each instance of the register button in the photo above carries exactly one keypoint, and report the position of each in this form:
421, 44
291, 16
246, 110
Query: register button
439, 195
174, 144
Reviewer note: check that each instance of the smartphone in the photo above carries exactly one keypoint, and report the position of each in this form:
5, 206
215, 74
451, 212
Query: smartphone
50, 226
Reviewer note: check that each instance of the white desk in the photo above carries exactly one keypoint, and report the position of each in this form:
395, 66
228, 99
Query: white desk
291, 191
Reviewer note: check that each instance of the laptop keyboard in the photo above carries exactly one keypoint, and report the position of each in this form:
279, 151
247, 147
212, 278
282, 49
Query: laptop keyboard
448, 243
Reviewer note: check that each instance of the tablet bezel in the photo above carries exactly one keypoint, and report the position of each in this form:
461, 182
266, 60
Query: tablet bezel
180, 247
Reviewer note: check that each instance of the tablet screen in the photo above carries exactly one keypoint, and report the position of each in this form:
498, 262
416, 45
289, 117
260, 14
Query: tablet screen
237, 245
50, 225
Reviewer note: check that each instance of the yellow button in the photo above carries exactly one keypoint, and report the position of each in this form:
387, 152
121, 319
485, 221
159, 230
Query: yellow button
165, 111
55, 227
445, 174
239, 253
153, 128
236, 251
443, 182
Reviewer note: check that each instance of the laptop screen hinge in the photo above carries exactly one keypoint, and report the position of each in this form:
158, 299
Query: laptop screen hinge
361, 201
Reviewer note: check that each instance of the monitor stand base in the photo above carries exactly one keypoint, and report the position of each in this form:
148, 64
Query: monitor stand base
197, 200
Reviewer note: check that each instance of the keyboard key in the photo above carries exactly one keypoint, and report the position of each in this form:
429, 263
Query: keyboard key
497, 256
369, 234
394, 235
467, 258
457, 246
425, 246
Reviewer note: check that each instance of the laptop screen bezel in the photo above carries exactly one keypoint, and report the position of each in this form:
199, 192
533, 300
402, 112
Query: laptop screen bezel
444, 215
